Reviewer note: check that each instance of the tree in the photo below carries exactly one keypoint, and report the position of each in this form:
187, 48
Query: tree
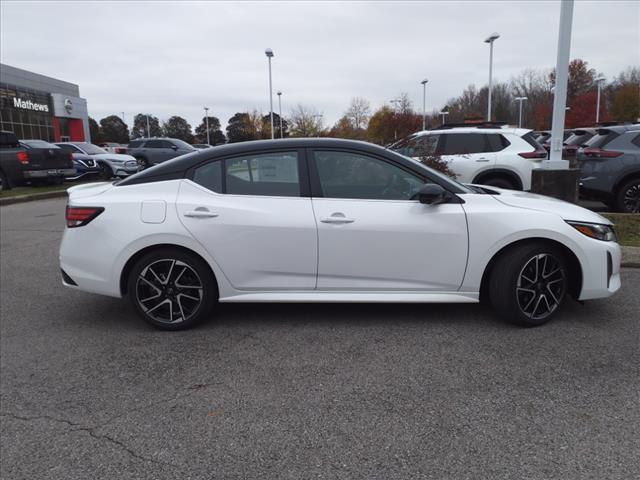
625, 106
139, 129
306, 121
581, 78
266, 126
178, 127
114, 129
216, 137
358, 113
344, 128
244, 126
94, 131
380, 129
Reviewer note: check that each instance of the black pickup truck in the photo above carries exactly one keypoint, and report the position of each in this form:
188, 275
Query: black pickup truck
34, 161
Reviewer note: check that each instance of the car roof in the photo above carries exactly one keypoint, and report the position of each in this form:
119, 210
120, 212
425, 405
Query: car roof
471, 129
620, 128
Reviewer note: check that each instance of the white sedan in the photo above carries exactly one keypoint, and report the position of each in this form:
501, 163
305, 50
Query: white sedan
111, 164
326, 220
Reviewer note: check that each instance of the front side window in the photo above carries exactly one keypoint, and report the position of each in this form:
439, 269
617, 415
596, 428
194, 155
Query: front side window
273, 174
353, 175
135, 144
463, 143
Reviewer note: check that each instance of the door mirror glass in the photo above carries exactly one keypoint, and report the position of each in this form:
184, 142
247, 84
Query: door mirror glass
173, 147
432, 194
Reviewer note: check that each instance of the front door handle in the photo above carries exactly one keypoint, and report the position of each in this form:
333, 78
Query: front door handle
337, 217
200, 212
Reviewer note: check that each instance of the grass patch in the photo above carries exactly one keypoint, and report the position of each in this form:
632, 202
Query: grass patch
627, 228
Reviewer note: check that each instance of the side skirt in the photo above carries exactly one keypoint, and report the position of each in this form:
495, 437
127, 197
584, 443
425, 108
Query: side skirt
355, 297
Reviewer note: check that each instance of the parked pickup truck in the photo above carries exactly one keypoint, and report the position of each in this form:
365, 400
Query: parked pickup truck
31, 161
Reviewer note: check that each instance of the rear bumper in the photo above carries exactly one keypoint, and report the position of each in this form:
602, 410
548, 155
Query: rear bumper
57, 172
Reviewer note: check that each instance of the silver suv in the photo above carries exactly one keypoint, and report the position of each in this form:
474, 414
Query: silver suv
151, 151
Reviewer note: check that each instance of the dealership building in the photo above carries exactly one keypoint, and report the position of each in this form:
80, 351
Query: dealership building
35, 106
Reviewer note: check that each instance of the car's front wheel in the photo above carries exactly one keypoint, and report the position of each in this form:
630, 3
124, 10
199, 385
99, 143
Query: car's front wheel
105, 171
172, 289
528, 284
628, 197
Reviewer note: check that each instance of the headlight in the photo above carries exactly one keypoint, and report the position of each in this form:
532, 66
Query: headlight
595, 230
131, 164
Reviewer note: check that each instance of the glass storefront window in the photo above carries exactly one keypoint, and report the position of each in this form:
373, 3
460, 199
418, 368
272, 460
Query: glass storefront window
26, 124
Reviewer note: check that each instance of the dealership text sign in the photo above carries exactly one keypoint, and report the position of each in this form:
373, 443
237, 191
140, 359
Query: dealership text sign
29, 105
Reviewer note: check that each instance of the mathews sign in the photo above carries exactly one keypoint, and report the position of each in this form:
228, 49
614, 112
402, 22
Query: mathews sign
29, 105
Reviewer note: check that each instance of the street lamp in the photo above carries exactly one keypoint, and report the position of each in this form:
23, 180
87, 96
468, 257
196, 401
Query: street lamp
123, 118
490, 39
148, 128
206, 122
599, 82
319, 123
443, 113
520, 100
395, 102
424, 103
269, 53
280, 111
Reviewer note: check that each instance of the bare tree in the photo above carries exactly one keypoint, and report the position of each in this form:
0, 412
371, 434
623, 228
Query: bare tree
305, 121
358, 112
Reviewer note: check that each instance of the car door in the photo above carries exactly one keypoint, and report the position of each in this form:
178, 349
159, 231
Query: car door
373, 236
252, 213
467, 154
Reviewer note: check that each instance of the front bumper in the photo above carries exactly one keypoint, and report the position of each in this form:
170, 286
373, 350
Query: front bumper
601, 272
60, 172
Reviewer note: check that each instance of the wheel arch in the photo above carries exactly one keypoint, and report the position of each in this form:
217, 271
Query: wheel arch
126, 270
625, 178
575, 268
499, 172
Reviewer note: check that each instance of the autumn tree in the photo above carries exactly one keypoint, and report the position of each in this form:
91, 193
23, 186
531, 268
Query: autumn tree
306, 121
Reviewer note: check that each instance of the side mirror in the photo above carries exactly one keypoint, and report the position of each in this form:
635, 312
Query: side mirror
432, 194
174, 147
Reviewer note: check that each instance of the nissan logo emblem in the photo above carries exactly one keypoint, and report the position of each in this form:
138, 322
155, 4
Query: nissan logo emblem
68, 106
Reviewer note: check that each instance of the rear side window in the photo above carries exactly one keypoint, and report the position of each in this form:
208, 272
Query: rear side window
8, 140
496, 142
135, 143
462, 143
601, 139
636, 140
158, 144
209, 176
272, 174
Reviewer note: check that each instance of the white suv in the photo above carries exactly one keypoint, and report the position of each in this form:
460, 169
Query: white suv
493, 155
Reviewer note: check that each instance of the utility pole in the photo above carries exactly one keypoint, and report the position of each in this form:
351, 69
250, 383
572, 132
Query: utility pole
269, 53
206, 122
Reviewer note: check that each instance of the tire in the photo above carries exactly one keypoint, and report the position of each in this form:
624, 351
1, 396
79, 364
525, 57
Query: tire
528, 284
4, 182
180, 301
628, 197
143, 162
499, 182
105, 171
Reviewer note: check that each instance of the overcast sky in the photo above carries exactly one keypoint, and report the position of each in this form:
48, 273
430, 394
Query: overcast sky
173, 58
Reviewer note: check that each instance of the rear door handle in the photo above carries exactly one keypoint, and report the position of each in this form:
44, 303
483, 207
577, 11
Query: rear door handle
200, 212
482, 159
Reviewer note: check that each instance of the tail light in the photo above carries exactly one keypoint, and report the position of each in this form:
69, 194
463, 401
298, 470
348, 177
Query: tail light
80, 216
23, 157
599, 153
121, 150
536, 154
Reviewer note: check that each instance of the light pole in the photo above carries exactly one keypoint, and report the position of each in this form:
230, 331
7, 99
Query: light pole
280, 111
490, 39
269, 53
123, 118
318, 124
599, 81
443, 113
148, 128
424, 103
520, 100
206, 122
395, 102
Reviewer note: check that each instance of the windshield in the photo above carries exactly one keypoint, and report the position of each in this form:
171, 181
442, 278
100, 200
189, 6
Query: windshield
90, 148
441, 177
38, 144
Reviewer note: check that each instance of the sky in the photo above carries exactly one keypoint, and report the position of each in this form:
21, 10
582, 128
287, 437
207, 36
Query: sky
174, 58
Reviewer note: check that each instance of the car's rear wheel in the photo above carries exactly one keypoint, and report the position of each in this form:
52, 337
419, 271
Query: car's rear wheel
143, 162
628, 197
528, 284
172, 289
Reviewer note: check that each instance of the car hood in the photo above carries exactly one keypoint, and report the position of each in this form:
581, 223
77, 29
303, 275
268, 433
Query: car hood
533, 201
113, 156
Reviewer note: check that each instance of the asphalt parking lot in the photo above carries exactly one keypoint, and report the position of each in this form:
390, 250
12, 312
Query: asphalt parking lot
305, 391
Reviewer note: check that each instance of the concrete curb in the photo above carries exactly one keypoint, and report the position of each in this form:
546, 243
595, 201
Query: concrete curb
33, 196
631, 257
